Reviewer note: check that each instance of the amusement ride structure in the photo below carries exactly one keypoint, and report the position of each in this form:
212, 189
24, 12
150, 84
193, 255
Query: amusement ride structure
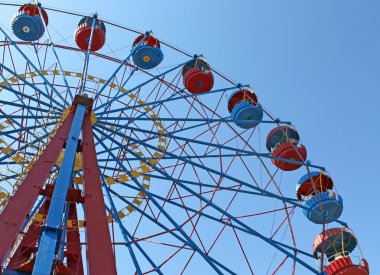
138, 165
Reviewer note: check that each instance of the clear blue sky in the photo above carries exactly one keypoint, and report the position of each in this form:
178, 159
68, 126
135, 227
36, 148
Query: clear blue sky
315, 63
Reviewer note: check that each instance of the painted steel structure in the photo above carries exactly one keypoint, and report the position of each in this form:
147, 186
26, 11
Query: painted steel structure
140, 162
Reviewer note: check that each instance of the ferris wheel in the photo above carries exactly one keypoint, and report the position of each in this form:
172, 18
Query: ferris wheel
121, 153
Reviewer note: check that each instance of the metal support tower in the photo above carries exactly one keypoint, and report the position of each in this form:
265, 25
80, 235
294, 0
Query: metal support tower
59, 205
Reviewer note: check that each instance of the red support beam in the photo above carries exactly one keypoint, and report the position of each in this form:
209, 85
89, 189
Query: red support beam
21, 203
100, 257
23, 259
73, 253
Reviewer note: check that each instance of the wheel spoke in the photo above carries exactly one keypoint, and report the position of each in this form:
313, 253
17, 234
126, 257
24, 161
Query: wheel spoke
34, 67
178, 228
192, 165
32, 86
137, 87
52, 46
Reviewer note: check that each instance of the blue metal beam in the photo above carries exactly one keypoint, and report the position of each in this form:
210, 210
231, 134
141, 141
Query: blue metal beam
156, 135
52, 46
17, 138
62, 243
34, 67
219, 146
164, 100
172, 221
170, 135
33, 212
226, 188
2, 116
20, 97
126, 235
208, 120
192, 157
139, 86
221, 174
23, 106
141, 115
26, 128
15, 122
6, 177
51, 233
88, 54
33, 98
126, 81
118, 69
208, 202
23, 147
40, 66
34, 87
149, 217
200, 213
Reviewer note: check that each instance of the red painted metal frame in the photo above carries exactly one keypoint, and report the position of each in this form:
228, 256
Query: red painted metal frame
272, 180
73, 250
21, 203
21, 259
100, 257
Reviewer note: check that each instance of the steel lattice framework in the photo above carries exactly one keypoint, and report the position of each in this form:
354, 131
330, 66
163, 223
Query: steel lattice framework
122, 165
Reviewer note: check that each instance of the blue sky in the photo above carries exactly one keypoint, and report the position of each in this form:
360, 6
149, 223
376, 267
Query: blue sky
315, 63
